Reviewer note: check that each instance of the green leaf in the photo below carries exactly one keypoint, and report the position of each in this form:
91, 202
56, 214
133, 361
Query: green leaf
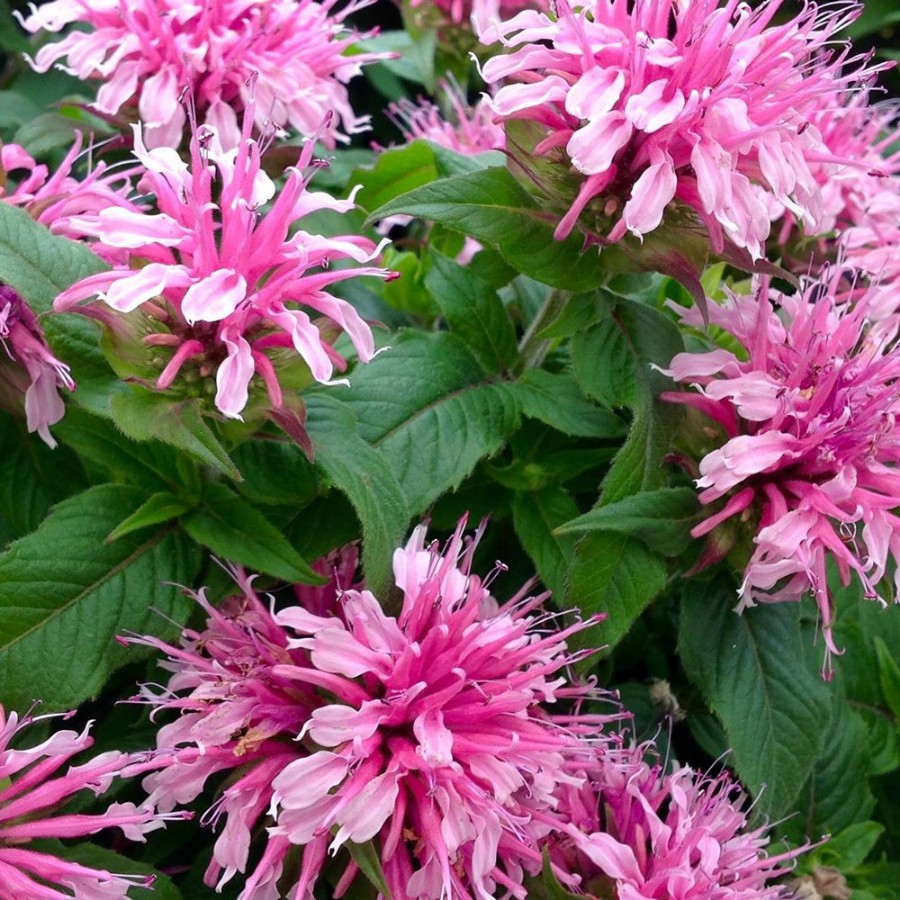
38, 264
580, 313
65, 594
615, 574
432, 411
366, 857
147, 415
613, 360
474, 312
396, 171
236, 531
754, 673
11, 37
366, 478
661, 518
837, 794
159, 508
276, 473
32, 476
102, 446
491, 206
888, 675
850, 848
638, 464
536, 516
555, 400
448, 162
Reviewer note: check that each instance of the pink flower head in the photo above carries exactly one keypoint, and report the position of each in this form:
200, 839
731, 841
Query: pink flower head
468, 130
423, 732
224, 287
637, 833
30, 793
29, 367
811, 450
51, 198
655, 103
147, 52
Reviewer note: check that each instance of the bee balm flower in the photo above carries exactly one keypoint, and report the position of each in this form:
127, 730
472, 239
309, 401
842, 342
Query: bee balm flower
659, 106
223, 286
811, 446
147, 52
422, 732
31, 791
638, 833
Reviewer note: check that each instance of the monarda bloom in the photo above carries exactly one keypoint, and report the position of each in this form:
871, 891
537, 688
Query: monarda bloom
423, 732
635, 832
657, 108
29, 368
809, 443
290, 54
31, 793
464, 129
220, 288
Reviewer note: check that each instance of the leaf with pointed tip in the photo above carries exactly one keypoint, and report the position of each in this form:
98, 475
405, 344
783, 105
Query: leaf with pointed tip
159, 508
65, 593
146, 415
433, 412
238, 532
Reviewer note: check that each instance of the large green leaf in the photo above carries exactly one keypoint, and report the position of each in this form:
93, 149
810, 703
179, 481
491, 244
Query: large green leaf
368, 481
755, 673
474, 312
238, 532
491, 206
65, 594
615, 574
396, 171
432, 411
38, 264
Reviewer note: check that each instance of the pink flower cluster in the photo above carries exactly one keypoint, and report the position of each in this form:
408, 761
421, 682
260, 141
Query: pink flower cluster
221, 285
810, 439
25, 347
428, 734
423, 731
663, 106
467, 129
288, 54
30, 793
655, 835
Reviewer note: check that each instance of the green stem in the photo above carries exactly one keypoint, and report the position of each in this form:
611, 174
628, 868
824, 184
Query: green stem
533, 348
